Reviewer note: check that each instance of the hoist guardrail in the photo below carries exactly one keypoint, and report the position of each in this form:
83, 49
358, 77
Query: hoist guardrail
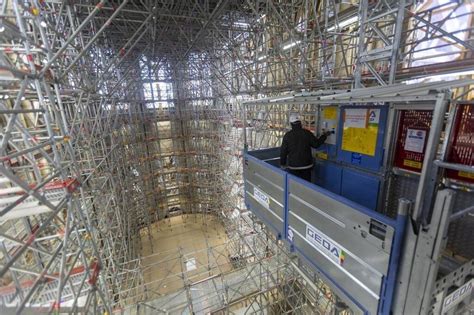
354, 248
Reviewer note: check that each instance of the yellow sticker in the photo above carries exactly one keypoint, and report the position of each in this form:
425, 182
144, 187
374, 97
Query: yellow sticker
35, 11
360, 131
413, 164
330, 113
322, 155
466, 174
360, 140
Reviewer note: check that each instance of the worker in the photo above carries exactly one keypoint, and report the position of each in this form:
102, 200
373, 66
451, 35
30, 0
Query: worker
295, 151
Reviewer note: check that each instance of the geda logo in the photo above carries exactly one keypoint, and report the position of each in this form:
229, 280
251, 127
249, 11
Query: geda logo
324, 244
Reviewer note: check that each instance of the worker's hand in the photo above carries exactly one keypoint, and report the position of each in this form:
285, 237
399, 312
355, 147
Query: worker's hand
327, 133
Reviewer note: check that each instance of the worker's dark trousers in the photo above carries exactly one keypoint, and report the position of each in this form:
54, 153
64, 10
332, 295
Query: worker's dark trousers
304, 174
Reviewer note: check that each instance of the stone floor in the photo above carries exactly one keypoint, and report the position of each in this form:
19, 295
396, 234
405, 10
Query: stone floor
183, 249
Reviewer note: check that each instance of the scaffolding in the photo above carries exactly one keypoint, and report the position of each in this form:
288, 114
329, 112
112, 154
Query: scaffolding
117, 115
248, 271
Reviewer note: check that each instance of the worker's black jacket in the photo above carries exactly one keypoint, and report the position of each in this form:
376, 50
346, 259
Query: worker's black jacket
295, 149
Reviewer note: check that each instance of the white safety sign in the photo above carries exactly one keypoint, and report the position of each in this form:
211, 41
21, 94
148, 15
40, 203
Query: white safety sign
415, 140
261, 197
355, 118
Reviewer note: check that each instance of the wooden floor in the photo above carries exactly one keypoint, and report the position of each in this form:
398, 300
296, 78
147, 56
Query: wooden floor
183, 250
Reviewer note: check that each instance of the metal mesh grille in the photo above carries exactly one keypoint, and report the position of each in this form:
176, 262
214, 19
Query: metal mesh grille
400, 187
461, 231
462, 142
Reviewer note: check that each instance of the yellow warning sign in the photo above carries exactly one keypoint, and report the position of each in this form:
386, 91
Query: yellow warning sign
330, 113
322, 155
413, 164
466, 174
361, 127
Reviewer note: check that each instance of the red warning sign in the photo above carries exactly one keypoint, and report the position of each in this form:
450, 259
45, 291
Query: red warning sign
413, 131
461, 144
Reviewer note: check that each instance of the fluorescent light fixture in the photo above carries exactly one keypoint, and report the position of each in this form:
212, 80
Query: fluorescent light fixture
292, 44
261, 57
261, 18
244, 24
344, 23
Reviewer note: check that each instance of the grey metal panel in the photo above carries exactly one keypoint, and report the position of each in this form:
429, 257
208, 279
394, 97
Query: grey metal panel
353, 221
265, 178
271, 189
360, 295
267, 216
272, 184
366, 256
274, 214
275, 205
349, 235
265, 175
461, 231
364, 273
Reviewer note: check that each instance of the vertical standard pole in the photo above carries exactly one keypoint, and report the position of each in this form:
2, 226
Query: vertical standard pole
429, 173
244, 122
396, 41
425, 258
363, 6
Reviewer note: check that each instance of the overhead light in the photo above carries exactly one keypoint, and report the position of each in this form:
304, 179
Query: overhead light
2, 28
261, 18
244, 24
292, 44
23, 98
344, 23
43, 24
261, 57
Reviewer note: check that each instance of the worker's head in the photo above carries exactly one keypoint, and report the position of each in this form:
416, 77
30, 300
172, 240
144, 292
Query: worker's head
295, 119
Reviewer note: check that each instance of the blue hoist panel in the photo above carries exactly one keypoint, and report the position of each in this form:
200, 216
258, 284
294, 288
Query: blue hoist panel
349, 163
